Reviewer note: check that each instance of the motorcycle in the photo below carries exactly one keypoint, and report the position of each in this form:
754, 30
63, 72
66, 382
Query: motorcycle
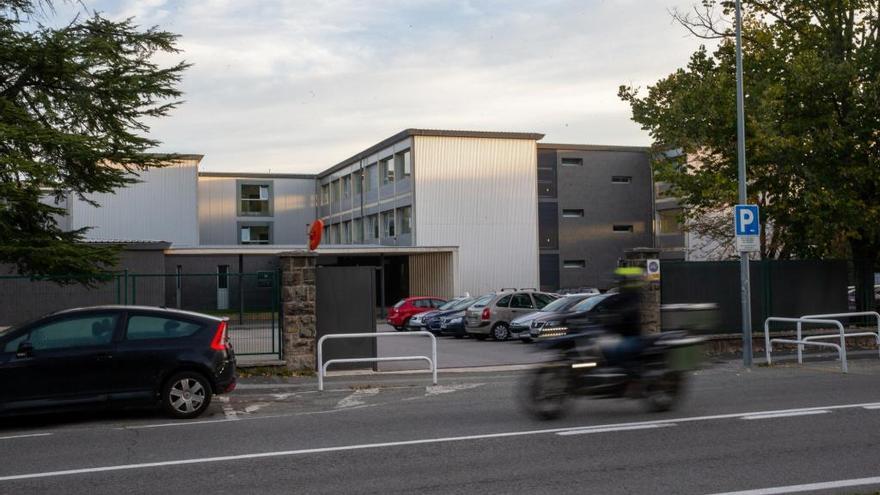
658, 375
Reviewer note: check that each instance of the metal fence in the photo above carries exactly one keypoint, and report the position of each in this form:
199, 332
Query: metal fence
251, 301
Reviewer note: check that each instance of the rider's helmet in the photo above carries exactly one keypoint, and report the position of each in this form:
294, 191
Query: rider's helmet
629, 278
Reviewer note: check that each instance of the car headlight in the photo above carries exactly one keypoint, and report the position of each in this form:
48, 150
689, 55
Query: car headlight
455, 321
554, 330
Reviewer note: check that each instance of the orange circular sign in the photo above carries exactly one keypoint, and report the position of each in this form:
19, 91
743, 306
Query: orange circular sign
315, 233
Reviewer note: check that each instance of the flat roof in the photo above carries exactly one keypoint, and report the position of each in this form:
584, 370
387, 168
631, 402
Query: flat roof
400, 136
248, 175
330, 250
592, 147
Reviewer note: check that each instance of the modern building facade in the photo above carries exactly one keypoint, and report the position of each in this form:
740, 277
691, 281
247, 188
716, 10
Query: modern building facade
514, 212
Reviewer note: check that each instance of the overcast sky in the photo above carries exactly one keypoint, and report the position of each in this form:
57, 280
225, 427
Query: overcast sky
292, 86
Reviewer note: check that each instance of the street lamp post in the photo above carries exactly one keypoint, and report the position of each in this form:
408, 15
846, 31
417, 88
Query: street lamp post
745, 290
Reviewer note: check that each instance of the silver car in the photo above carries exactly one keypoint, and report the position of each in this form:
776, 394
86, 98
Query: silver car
491, 315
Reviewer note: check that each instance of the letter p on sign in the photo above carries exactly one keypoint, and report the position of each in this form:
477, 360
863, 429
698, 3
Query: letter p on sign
746, 220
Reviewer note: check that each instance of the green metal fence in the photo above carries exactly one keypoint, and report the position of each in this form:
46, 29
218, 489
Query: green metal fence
250, 301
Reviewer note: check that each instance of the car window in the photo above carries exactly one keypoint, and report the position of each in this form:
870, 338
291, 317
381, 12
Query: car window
400, 303
422, 303
542, 300
589, 303
439, 303
78, 331
462, 304
154, 327
449, 304
504, 301
521, 301
483, 301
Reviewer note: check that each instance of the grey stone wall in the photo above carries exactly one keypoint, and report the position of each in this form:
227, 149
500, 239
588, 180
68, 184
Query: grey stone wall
651, 291
298, 304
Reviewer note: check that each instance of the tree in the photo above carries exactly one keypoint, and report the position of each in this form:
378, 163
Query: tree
73, 105
812, 96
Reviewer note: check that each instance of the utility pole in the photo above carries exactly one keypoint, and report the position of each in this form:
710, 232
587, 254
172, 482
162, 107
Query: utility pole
743, 197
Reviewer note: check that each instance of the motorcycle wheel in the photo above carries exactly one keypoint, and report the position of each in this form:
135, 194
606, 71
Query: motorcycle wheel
664, 393
545, 393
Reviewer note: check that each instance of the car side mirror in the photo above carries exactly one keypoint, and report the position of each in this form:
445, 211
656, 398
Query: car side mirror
25, 350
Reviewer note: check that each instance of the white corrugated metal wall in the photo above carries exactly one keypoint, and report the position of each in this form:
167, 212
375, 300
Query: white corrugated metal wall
162, 207
479, 194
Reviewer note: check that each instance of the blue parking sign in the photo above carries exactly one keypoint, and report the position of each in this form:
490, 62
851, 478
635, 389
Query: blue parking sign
745, 219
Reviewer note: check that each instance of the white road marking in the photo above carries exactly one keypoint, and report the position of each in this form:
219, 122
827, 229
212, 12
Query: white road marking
356, 398
255, 407
587, 431
809, 487
283, 396
260, 455
432, 390
30, 435
786, 414
876, 406
228, 411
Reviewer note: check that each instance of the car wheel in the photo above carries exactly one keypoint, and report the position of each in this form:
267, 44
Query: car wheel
399, 329
186, 395
404, 327
500, 332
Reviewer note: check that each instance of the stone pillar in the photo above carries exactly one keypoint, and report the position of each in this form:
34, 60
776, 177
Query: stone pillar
298, 296
651, 295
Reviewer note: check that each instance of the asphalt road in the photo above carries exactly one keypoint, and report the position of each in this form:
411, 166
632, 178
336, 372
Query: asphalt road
760, 430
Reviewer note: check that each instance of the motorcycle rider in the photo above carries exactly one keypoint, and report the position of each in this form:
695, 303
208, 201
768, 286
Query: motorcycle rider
626, 319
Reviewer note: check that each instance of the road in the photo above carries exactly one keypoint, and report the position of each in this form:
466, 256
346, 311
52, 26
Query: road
768, 428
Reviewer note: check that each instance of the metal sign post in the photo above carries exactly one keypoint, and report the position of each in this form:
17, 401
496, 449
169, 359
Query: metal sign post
741, 160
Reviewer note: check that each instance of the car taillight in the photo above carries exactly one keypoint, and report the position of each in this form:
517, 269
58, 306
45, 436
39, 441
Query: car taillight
487, 315
218, 343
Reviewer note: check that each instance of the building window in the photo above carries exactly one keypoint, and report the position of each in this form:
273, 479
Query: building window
326, 237
346, 232
370, 177
572, 162
358, 179
254, 200
574, 264
402, 165
621, 179
405, 214
373, 227
669, 221
346, 187
386, 170
623, 228
334, 233
576, 213
325, 194
388, 230
335, 191
255, 233
357, 231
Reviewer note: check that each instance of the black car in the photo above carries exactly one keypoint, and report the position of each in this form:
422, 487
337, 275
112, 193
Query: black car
520, 328
590, 311
116, 356
434, 321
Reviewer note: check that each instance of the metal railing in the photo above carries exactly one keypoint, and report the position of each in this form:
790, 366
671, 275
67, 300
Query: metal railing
837, 316
322, 366
841, 348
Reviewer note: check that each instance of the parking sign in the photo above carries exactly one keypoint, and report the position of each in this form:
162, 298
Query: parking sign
747, 227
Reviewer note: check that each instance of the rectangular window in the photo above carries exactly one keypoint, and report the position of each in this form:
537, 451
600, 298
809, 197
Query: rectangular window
621, 179
388, 230
402, 165
255, 234
370, 177
335, 191
576, 213
572, 162
405, 219
669, 221
346, 187
386, 170
346, 232
254, 200
373, 228
154, 327
334, 233
357, 231
325, 194
358, 179
623, 228
574, 264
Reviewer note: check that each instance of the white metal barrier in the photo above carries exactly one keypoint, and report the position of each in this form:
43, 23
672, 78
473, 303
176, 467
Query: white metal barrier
838, 316
322, 366
841, 348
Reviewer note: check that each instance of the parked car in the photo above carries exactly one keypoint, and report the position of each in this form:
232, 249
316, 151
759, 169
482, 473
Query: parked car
519, 328
400, 313
431, 320
454, 324
109, 356
590, 311
492, 318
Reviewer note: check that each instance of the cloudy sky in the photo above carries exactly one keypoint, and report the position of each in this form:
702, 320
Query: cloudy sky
292, 86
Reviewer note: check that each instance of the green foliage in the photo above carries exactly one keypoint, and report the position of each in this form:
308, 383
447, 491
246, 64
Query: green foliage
73, 105
812, 101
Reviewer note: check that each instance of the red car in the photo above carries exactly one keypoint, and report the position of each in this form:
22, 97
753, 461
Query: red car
399, 315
